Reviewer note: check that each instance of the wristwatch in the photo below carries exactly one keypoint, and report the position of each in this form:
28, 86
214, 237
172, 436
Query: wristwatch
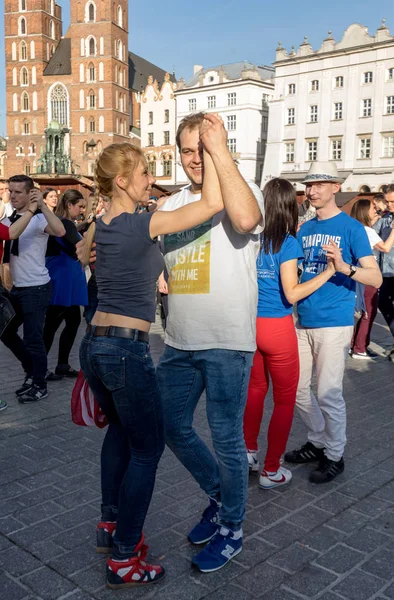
353, 270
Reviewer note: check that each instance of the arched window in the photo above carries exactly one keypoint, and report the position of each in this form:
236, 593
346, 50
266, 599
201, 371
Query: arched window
24, 76
81, 125
84, 147
52, 30
81, 99
58, 102
25, 101
14, 76
19, 150
101, 98
92, 99
120, 50
81, 73
16, 127
365, 189
92, 47
27, 169
35, 102
92, 72
52, 7
32, 49
82, 47
32, 149
34, 126
90, 12
92, 125
116, 73
22, 5
22, 26
13, 51
152, 165
99, 146
22, 51
120, 16
26, 128
14, 102
34, 76
101, 45
101, 71
101, 127
52, 50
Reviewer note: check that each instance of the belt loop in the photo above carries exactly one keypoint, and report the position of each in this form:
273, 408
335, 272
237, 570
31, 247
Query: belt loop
136, 332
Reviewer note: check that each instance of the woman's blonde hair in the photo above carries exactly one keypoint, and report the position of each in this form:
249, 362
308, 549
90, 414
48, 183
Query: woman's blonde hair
117, 159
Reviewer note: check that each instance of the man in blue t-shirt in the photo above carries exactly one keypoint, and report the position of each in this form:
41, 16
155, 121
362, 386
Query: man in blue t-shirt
325, 320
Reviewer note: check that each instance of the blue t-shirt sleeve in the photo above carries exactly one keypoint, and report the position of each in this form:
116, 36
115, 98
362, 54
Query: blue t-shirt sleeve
291, 250
360, 245
139, 223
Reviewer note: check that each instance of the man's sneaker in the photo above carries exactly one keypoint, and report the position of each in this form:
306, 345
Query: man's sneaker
3, 404
327, 470
27, 385
33, 395
254, 466
50, 376
361, 356
133, 571
224, 546
272, 480
306, 454
208, 526
105, 537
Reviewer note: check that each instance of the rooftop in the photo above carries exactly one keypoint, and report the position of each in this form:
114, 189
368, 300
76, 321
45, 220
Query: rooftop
60, 63
139, 71
233, 71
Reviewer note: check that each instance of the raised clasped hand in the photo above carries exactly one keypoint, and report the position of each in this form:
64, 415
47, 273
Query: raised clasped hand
334, 256
36, 199
213, 135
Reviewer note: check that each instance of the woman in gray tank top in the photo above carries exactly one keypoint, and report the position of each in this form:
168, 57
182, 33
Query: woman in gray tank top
115, 356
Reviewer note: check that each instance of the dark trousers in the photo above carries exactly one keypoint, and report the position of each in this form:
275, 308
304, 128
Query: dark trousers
30, 305
71, 315
122, 376
362, 330
386, 302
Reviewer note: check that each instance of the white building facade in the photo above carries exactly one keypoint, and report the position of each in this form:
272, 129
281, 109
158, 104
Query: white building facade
239, 92
158, 128
336, 103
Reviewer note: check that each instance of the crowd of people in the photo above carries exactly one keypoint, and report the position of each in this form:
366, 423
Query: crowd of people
255, 293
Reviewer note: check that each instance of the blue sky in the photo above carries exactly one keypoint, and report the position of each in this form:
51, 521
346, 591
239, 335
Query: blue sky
178, 34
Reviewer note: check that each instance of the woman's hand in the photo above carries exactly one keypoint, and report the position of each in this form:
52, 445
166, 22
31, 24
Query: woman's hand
213, 134
334, 255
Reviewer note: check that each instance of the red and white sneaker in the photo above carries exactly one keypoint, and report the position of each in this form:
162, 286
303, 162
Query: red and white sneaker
133, 571
272, 480
105, 536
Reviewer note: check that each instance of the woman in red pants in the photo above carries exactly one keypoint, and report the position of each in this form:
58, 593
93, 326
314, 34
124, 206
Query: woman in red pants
277, 351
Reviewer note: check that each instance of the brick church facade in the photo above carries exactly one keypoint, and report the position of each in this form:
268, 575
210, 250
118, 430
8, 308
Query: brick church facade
68, 97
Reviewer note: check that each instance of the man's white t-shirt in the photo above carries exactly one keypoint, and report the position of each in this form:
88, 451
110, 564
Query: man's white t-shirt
28, 268
212, 301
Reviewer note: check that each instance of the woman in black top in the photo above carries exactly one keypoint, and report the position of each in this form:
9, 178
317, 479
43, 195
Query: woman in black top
115, 356
68, 283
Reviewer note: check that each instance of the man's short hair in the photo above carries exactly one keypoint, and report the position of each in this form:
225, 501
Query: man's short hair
388, 189
29, 183
190, 122
379, 198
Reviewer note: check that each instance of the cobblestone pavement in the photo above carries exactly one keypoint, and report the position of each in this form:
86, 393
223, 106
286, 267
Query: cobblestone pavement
302, 541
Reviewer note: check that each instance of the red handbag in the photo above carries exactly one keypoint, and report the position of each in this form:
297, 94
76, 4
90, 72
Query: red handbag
84, 408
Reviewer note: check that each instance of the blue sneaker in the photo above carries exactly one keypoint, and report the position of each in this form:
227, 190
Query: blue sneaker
224, 546
208, 526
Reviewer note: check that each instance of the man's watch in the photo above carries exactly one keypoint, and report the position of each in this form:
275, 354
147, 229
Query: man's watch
353, 270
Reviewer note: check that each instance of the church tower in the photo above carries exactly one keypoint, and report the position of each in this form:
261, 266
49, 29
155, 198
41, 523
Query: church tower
33, 29
99, 92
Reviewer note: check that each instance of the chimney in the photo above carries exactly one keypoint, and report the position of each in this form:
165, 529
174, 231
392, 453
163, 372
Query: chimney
196, 69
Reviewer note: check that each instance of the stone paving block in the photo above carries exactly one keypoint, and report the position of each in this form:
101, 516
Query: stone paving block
35, 533
159, 521
357, 488
282, 534
255, 551
293, 558
76, 560
310, 581
77, 516
4, 543
164, 542
11, 490
308, 518
367, 539
385, 523
76, 536
35, 482
268, 515
10, 589
40, 512
261, 579
230, 592
9, 524
348, 521
216, 580
91, 579
340, 559
17, 562
359, 586
11, 475
387, 491
294, 499
44, 494
80, 596
322, 538
334, 503
280, 594
258, 497
48, 584
389, 592
45, 550
77, 499
371, 506
183, 510
381, 564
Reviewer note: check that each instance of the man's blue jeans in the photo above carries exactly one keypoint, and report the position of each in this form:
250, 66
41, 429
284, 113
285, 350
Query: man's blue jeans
121, 374
30, 305
224, 374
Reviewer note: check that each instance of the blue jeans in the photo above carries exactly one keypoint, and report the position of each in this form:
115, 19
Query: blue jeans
121, 374
224, 374
30, 305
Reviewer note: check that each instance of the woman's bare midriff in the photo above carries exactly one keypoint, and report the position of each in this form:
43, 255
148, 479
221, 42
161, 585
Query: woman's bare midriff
103, 319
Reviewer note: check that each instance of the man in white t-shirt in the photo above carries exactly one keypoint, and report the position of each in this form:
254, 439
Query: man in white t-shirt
32, 290
210, 337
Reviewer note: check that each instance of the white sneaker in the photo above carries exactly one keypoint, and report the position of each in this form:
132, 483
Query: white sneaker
254, 466
361, 356
272, 480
